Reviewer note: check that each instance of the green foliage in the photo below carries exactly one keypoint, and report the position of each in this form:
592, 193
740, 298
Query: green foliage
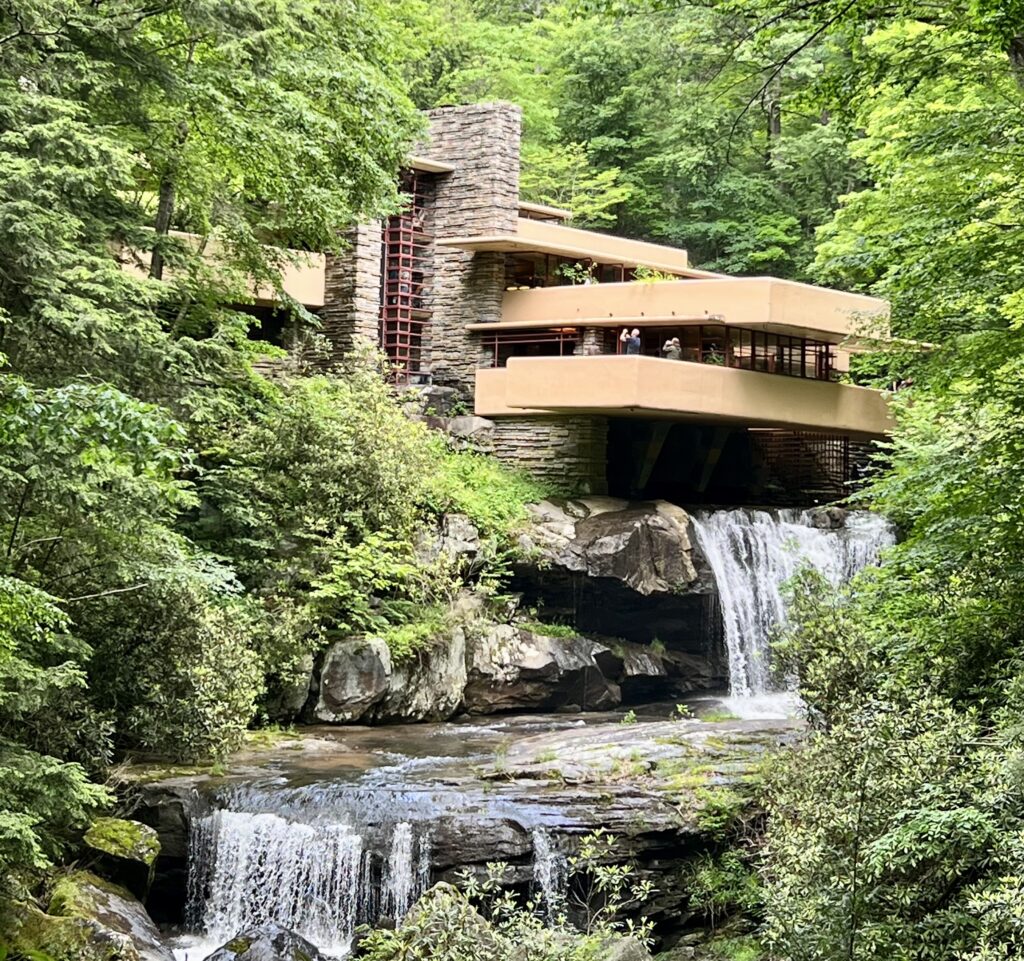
486, 922
43, 800
125, 400
669, 121
549, 630
493, 496
427, 628
723, 884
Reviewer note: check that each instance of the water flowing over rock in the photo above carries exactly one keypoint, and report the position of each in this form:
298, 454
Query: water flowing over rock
753, 554
550, 873
318, 878
336, 829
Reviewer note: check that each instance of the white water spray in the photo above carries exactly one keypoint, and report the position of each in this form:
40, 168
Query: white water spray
550, 873
753, 553
248, 869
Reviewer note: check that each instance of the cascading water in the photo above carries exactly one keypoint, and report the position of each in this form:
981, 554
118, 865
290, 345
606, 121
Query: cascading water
321, 855
752, 554
317, 878
550, 873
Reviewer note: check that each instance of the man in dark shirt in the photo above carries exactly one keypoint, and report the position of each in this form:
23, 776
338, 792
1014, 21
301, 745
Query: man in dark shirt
631, 339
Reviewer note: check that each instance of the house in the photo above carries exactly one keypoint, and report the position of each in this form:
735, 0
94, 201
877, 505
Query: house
518, 313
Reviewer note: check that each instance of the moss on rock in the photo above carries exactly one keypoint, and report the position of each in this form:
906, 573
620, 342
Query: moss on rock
124, 839
30, 932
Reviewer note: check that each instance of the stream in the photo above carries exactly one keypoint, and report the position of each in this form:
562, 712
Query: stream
343, 826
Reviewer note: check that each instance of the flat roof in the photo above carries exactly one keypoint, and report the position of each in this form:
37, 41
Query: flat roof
545, 211
544, 237
429, 166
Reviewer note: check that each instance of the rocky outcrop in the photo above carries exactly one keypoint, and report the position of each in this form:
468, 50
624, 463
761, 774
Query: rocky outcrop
270, 942
88, 919
626, 569
495, 669
353, 679
511, 669
645, 546
627, 575
360, 681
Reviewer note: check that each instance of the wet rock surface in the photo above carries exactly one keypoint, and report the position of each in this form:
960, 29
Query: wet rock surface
664, 789
626, 569
488, 668
270, 942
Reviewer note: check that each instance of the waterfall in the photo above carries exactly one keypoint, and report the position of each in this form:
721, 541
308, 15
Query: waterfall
753, 553
550, 873
317, 878
401, 875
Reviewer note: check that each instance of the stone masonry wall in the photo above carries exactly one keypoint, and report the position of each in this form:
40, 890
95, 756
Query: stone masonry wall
591, 343
570, 452
480, 197
352, 291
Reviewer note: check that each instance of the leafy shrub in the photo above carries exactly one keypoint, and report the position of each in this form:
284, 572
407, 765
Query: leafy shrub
493, 496
43, 800
722, 884
179, 661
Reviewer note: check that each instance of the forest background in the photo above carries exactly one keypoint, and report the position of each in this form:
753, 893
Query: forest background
177, 530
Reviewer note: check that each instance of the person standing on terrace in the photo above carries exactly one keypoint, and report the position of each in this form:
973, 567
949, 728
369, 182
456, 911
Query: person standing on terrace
631, 340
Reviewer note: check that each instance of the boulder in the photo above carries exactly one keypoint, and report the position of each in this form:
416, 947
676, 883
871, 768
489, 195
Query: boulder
513, 669
355, 676
647, 548
88, 918
627, 569
270, 942
468, 432
127, 852
124, 839
427, 685
456, 538
459, 537
360, 681
438, 400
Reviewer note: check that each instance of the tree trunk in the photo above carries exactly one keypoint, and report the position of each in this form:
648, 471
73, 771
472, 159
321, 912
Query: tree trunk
165, 204
773, 112
164, 213
1015, 51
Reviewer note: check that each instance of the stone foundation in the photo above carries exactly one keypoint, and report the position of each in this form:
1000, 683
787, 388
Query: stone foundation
568, 452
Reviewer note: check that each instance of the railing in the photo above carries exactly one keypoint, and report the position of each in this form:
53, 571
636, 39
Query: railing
561, 342
716, 344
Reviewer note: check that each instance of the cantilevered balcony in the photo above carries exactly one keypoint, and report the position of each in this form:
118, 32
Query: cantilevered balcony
650, 387
302, 276
761, 303
544, 237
